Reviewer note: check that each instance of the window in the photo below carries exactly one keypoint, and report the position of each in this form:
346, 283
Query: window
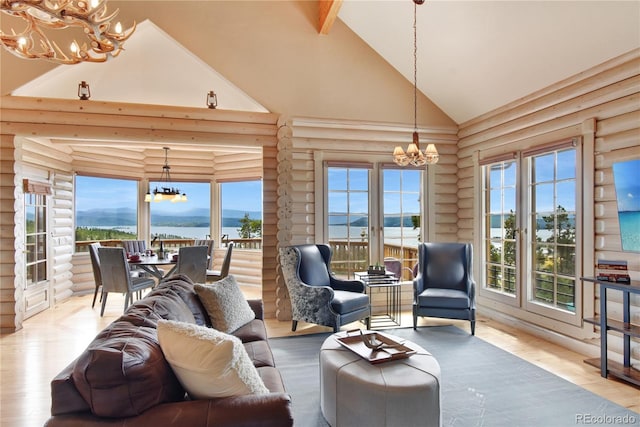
182, 220
552, 254
401, 216
241, 213
348, 218
529, 230
373, 211
36, 238
105, 209
500, 226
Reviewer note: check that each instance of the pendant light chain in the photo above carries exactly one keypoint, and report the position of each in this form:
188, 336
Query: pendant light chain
414, 156
415, 67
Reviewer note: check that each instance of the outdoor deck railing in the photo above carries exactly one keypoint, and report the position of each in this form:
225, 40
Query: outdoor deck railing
348, 257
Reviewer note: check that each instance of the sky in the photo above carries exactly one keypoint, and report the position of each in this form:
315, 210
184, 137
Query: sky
92, 193
626, 176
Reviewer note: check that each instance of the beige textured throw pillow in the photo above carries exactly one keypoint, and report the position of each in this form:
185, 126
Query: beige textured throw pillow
208, 363
225, 303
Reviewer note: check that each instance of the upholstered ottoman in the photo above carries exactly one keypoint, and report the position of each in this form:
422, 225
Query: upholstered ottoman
354, 392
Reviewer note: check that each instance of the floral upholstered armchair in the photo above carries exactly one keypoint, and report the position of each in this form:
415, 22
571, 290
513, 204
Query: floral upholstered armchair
316, 295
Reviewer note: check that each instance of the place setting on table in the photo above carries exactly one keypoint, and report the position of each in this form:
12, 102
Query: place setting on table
149, 262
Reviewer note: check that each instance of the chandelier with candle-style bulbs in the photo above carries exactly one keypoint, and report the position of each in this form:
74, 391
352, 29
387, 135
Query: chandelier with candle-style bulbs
104, 39
414, 156
166, 190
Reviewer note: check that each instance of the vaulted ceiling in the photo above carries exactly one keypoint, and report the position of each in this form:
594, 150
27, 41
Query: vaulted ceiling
473, 56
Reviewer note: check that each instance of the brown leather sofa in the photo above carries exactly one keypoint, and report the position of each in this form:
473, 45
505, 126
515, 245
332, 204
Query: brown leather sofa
123, 379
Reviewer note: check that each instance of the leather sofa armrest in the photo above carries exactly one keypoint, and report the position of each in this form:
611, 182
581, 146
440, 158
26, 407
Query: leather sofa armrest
65, 397
257, 307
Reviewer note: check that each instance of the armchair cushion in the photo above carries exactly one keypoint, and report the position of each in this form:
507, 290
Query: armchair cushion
313, 270
444, 298
346, 302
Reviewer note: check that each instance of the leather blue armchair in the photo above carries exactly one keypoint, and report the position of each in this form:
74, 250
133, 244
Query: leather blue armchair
444, 286
317, 296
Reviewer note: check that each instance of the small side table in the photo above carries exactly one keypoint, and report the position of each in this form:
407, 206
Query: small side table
392, 316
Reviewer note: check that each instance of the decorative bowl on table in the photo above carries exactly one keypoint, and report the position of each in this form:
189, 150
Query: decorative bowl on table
134, 258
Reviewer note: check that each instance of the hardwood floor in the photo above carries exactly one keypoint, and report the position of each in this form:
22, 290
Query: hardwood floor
49, 341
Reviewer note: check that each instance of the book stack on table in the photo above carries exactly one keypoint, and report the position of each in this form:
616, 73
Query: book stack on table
613, 271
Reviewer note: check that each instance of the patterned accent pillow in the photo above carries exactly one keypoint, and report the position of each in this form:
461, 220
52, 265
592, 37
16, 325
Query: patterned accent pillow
225, 303
208, 363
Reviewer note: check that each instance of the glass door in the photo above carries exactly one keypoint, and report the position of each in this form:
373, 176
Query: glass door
36, 287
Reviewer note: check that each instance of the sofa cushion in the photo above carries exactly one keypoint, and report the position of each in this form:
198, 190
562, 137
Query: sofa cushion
123, 372
183, 286
225, 303
208, 363
162, 303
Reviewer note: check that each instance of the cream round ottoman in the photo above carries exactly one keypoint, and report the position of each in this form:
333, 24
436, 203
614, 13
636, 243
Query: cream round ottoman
354, 392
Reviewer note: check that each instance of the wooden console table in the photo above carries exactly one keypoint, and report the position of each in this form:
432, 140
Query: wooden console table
607, 367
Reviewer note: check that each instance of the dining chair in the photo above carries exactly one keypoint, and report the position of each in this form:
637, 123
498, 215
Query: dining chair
214, 275
134, 246
192, 262
209, 243
116, 276
95, 265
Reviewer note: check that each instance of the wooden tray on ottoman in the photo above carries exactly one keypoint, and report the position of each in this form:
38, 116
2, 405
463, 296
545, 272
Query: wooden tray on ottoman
396, 350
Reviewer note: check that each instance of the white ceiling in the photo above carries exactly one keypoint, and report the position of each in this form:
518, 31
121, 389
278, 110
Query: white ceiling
154, 61
476, 56
473, 56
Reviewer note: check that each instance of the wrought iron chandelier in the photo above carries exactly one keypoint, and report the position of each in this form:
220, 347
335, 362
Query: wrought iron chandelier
168, 192
105, 39
414, 156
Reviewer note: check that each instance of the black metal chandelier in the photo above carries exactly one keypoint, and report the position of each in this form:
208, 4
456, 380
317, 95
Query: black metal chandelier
166, 190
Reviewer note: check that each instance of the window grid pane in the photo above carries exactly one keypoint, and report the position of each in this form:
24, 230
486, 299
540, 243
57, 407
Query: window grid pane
553, 246
500, 227
348, 219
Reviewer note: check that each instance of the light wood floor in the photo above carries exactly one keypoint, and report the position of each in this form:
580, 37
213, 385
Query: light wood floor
49, 341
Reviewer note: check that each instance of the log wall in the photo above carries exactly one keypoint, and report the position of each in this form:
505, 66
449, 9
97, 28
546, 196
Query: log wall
601, 105
64, 137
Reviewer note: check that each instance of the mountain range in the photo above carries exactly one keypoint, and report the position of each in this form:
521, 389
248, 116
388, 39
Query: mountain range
198, 217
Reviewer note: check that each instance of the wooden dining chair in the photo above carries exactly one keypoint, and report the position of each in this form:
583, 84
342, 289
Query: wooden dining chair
116, 276
215, 275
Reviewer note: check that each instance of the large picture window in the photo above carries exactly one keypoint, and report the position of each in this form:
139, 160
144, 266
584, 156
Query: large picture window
182, 220
241, 213
105, 209
530, 230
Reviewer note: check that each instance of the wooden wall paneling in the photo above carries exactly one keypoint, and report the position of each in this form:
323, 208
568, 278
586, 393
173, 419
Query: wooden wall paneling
284, 210
8, 249
62, 236
611, 96
610, 72
270, 225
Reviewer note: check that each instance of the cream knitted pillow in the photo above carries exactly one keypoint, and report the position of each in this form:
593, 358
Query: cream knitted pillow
225, 303
208, 363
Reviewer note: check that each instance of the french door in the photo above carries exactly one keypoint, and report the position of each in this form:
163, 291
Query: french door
373, 211
36, 287
530, 230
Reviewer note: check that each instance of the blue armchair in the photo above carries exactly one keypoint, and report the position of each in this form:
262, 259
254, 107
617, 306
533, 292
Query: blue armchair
316, 295
444, 286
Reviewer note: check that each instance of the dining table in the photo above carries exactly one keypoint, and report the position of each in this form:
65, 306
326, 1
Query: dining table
150, 264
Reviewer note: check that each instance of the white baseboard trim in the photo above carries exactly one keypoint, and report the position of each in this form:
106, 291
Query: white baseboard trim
587, 348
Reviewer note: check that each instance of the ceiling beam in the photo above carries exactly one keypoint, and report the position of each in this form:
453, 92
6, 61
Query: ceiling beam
328, 12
